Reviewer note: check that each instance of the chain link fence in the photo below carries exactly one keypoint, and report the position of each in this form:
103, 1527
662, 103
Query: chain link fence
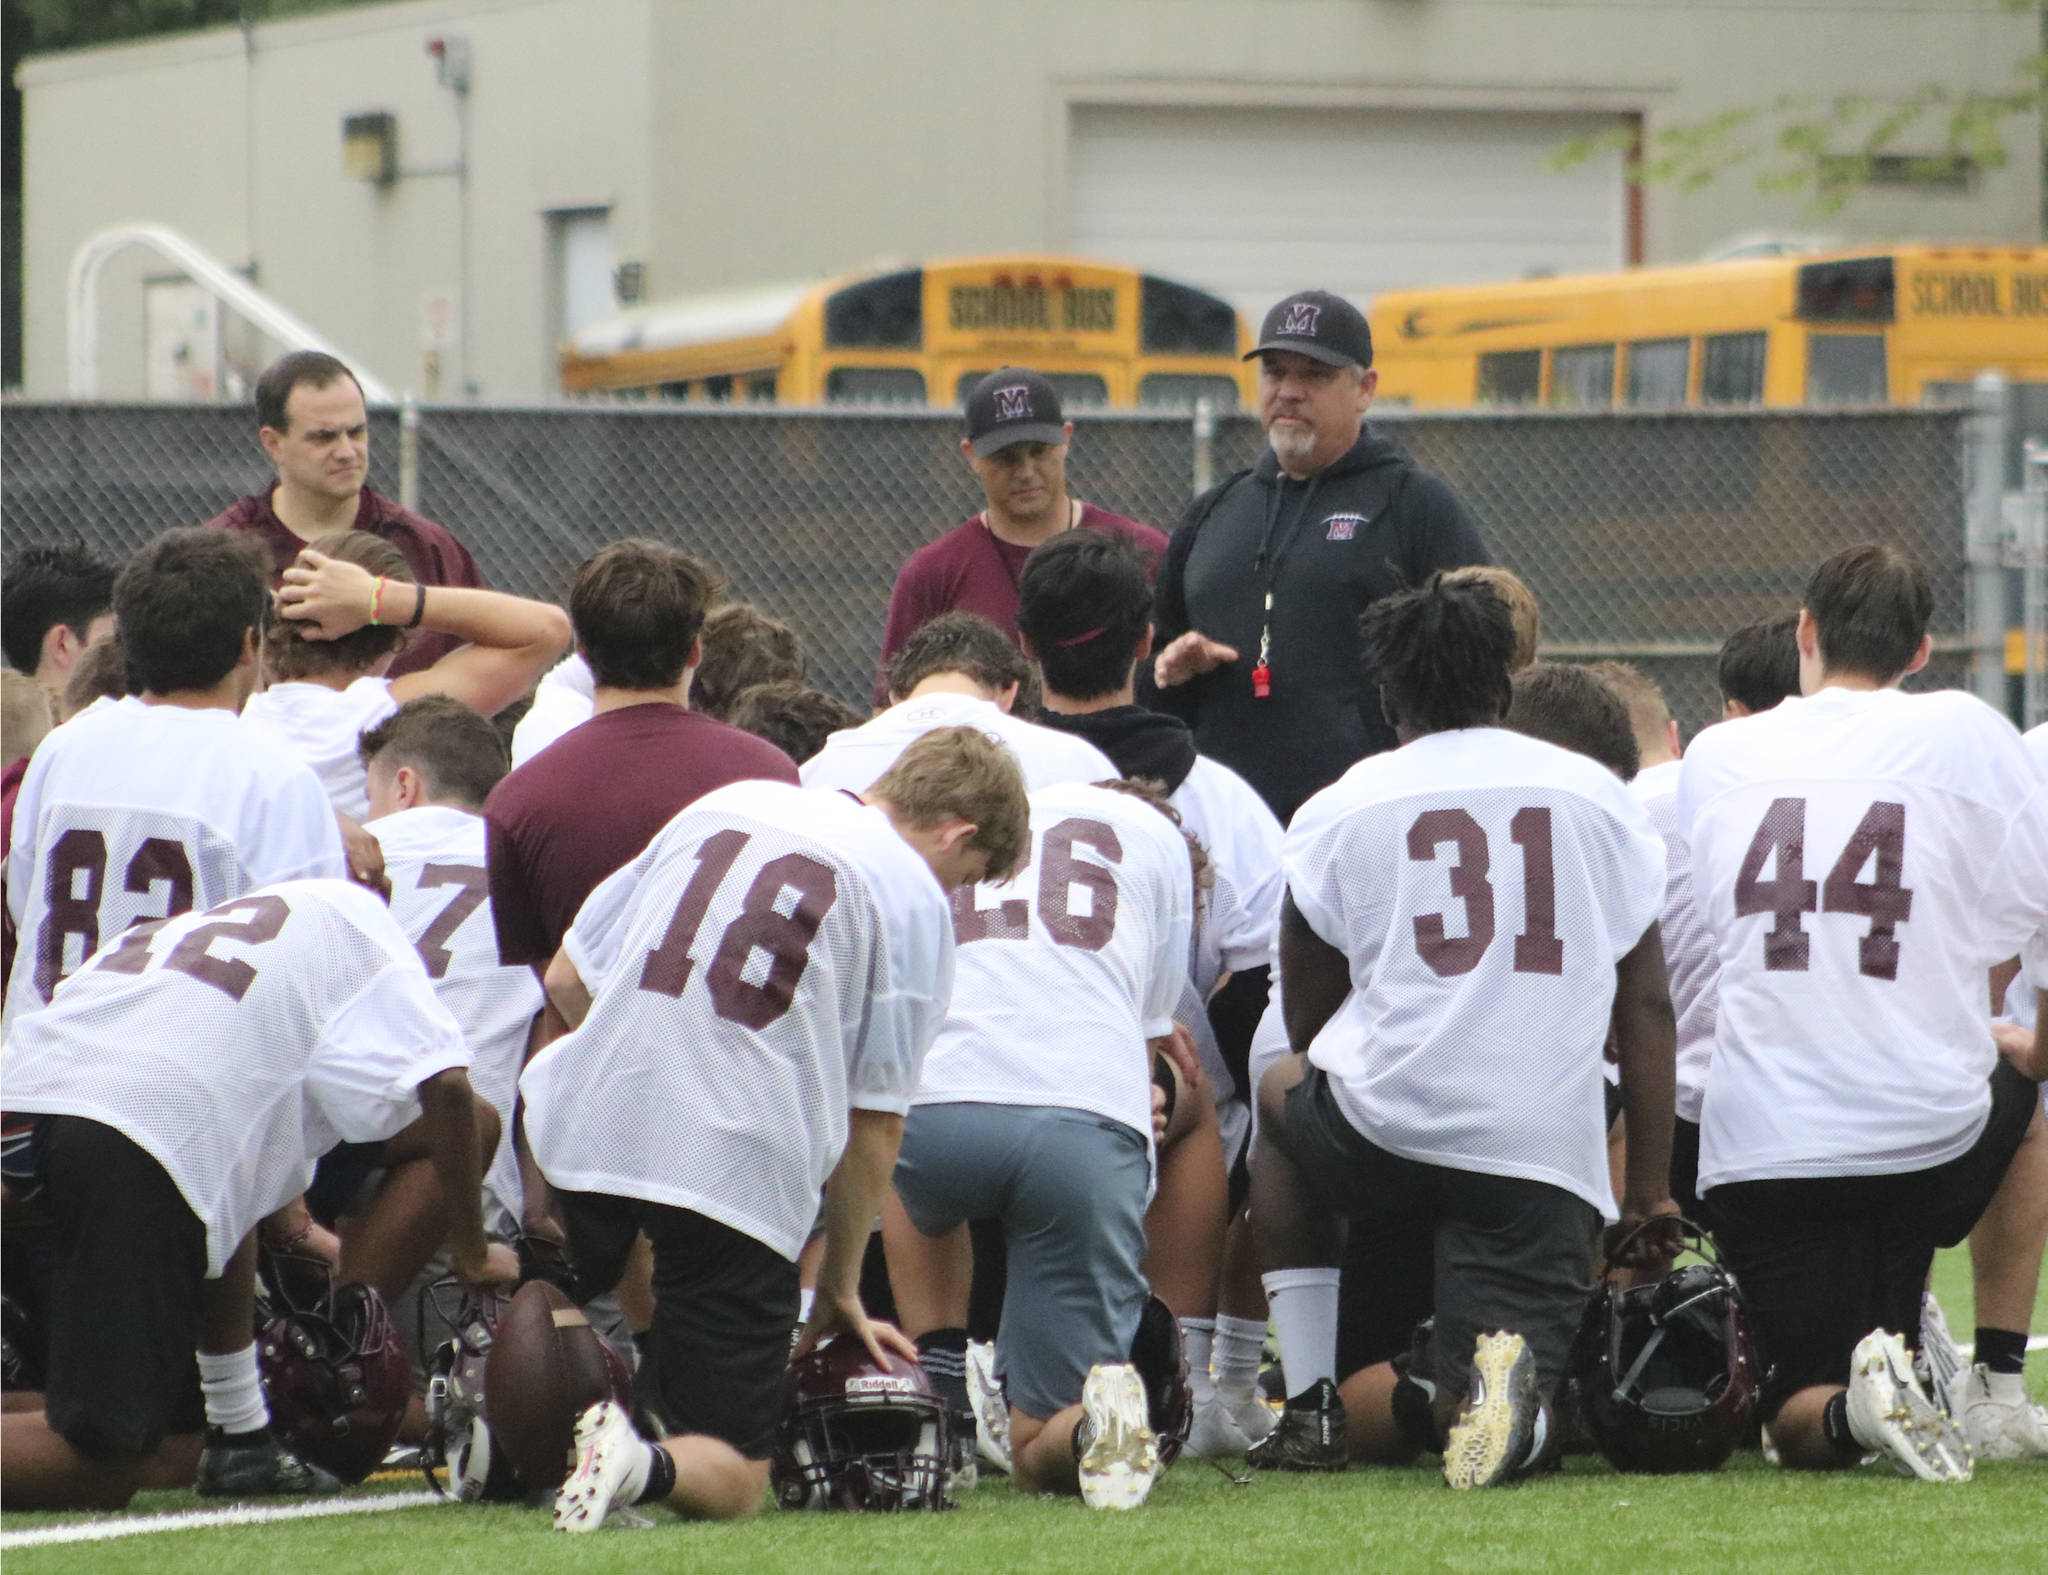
1644, 537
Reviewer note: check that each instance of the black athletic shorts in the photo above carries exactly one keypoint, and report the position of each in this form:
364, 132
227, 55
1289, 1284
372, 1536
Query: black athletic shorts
1479, 1252
1823, 1260
124, 1296
1685, 1173
339, 1179
724, 1308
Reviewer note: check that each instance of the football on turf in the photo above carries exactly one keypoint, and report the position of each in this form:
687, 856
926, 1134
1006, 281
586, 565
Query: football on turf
546, 1367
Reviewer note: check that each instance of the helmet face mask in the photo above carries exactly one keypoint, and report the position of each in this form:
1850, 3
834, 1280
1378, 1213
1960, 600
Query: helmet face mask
335, 1374
856, 1436
458, 1427
1666, 1374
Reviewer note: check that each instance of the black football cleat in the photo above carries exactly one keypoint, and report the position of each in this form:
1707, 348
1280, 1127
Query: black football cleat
1310, 1436
255, 1465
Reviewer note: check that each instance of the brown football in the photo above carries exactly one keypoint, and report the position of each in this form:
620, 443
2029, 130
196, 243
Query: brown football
546, 1367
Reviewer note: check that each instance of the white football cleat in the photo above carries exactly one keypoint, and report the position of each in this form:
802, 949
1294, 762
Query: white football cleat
611, 1468
1119, 1455
1890, 1413
1939, 1363
991, 1408
1997, 1415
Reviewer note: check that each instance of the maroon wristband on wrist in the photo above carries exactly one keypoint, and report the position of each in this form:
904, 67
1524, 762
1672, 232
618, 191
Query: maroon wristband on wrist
419, 607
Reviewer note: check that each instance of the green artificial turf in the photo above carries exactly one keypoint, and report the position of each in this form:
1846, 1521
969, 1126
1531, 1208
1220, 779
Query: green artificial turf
1747, 1518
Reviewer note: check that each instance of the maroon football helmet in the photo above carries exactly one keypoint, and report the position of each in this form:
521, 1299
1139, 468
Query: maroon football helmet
337, 1378
855, 1435
458, 1427
1666, 1374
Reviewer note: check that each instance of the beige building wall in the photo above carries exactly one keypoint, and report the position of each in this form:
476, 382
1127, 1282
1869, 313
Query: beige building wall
785, 139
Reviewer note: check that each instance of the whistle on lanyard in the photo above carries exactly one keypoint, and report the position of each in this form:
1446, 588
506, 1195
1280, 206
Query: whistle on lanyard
1262, 673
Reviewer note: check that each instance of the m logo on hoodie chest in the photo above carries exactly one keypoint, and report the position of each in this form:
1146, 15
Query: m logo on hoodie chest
1344, 527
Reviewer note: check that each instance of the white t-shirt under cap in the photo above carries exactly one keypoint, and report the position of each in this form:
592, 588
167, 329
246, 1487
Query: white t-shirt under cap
434, 857
239, 1045
1862, 859
1483, 885
134, 811
774, 958
565, 698
321, 726
855, 757
1066, 969
1689, 958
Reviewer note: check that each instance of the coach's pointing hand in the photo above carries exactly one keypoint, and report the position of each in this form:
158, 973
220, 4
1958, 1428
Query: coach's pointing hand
1190, 656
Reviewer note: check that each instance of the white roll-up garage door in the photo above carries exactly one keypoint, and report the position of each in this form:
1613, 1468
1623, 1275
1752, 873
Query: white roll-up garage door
1254, 203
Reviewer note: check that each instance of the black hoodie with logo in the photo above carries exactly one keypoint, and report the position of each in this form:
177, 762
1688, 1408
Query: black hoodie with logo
1369, 524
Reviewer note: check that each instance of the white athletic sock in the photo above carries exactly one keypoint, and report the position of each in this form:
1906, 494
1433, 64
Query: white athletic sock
1235, 1357
1304, 1303
234, 1391
1197, 1336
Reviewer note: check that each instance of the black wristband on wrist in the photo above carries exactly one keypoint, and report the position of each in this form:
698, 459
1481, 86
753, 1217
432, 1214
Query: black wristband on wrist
419, 607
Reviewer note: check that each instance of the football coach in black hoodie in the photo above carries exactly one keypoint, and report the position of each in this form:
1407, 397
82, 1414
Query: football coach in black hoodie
1259, 596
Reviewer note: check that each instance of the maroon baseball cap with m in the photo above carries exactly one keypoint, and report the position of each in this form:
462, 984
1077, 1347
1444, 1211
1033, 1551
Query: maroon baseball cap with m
1013, 405
1319, 325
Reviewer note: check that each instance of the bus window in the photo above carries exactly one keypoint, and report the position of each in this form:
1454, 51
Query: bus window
1582, 377
1180, 390
1732, 369
1657, 371
1077, 390
719, 389
1174, 319
760, 388
1845, 369
885, 313
874, 385
1510, 377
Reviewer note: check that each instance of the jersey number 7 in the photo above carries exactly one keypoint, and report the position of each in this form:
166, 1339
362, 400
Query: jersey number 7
1788, 893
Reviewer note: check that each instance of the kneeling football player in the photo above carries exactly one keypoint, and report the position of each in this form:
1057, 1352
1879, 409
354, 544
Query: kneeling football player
1036, 1110
180, 1086
750, 1001
1465, 915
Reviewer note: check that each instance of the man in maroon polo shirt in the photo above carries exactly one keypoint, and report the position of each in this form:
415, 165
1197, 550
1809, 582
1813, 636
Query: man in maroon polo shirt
1016, 444
314, 426
590, 801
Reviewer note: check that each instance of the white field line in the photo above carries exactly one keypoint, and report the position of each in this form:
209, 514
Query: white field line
192, 1520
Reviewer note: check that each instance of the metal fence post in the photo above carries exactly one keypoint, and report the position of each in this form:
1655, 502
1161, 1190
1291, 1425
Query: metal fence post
1205, 447
409, 454
1984, 538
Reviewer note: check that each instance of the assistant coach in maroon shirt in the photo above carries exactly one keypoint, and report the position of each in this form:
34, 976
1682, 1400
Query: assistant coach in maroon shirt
1016, 444
595, 797
312, 422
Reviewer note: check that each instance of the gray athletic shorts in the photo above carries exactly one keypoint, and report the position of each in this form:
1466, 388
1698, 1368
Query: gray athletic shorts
1070, 1189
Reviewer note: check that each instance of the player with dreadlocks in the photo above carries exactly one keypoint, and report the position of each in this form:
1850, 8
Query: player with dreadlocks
1496, 898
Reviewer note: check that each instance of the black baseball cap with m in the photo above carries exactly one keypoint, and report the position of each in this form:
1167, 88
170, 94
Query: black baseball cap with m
1013, 405
1319, 325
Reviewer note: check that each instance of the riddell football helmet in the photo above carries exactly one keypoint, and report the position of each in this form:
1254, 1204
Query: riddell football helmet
854, 1435
458, 1429
1666, 1373
335, 1374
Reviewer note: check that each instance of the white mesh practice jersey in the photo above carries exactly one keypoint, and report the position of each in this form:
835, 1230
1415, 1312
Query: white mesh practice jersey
136, 811
1689, 957
321, 726
434, 856
2033, 976
1067, 968
773, 957
1483, 885
240, 1044
855, 757
565, 698
1861, 859
1238, 918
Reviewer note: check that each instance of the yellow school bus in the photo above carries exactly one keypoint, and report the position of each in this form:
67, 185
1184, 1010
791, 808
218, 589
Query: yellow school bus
1106, 336
1904, 326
